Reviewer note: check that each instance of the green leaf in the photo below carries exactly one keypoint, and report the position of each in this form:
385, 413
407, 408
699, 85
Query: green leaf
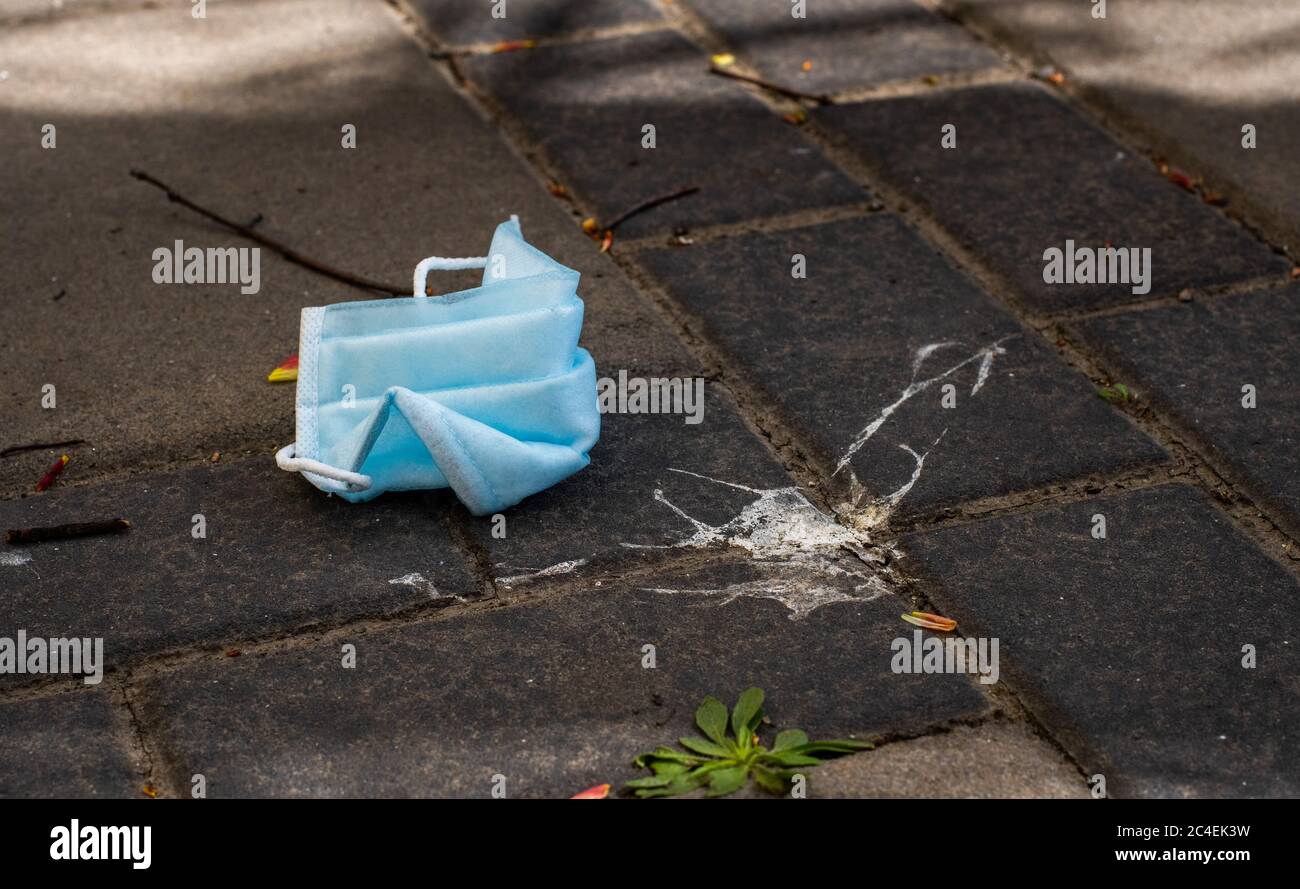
769, 781
649, 781
725, 781
791, 737
790, 758
745, 717
667, 753
713, 765
836, 748
684, 784
1117, 392
668, 767
708, 748
711, 717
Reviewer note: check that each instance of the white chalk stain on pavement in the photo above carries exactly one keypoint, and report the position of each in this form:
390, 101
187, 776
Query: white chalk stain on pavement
420, 582
876, 511
800, 550
807, 558
14, 559
534, 573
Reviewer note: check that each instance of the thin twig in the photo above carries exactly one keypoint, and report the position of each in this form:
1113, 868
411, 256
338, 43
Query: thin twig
653, 202
283, 249
41, 446
819, 98
63, 532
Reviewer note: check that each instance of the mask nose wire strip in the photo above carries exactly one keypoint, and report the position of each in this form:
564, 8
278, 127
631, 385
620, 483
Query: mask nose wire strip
285, 459
442, 263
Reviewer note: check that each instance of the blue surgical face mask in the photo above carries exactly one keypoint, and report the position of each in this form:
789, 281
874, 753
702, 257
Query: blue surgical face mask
484, 391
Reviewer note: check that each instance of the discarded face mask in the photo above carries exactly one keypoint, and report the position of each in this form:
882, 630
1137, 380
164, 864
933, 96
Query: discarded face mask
484, 391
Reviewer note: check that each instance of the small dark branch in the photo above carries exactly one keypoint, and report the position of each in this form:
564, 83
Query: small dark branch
284, 250
650, 204
819, 98
63, 532
40, 446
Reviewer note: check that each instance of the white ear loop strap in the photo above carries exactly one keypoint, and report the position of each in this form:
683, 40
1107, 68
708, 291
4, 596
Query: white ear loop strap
442, 263
350, 481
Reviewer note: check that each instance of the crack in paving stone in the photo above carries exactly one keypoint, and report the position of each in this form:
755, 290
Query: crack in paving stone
879, 509
795, 546
533, 573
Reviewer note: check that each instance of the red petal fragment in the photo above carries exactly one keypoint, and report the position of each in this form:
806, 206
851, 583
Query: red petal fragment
52, 473
600, 791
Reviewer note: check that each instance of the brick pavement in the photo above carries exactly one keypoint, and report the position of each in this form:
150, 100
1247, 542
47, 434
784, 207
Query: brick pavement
912, 423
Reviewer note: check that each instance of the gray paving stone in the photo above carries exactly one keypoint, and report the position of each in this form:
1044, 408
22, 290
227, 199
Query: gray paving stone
585, 105
550, 694
1186, 77
836, 349
995, 760
1130, 648
1192, 360
156, 587
471, 21
591, 516
69, 745
1027, 174
850, 43
153, 374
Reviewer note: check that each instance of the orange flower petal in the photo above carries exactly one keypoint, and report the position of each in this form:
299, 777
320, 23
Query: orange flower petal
607, 241
286, 372
600, 791
930, 621
512, 45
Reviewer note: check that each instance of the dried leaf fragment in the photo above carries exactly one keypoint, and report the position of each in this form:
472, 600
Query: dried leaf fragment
1179, 178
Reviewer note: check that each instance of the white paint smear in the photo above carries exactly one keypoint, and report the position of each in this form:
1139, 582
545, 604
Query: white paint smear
420, 582
534, 573
800, 551
916, 386
877, 511
13, 558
